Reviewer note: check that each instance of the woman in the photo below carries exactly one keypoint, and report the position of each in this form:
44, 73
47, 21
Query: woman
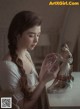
22, 82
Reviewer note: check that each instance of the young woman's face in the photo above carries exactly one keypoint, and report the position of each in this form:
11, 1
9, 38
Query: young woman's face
29, 38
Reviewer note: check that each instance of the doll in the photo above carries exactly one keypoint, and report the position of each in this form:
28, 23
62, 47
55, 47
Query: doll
63, 78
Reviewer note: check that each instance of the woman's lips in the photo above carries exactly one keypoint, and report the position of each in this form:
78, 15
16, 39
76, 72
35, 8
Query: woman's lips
33, 45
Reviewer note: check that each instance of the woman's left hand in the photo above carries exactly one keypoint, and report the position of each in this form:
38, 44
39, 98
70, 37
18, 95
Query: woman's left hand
49, 66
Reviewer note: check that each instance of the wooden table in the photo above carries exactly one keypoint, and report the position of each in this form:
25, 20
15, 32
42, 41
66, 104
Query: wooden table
71, 97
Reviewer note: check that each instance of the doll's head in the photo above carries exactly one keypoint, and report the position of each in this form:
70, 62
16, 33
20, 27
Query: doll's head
65, 51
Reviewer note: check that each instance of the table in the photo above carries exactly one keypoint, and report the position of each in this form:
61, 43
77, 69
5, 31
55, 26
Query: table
71, 97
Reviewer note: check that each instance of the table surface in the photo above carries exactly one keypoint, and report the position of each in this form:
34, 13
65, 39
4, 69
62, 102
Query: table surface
71, 97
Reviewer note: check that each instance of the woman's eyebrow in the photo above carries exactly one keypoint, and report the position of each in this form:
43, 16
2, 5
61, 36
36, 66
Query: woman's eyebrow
33, 32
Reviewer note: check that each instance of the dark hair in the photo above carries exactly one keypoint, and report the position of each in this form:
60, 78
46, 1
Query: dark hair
22, 21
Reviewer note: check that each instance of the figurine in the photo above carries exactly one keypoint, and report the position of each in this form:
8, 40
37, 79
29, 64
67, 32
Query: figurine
64, 78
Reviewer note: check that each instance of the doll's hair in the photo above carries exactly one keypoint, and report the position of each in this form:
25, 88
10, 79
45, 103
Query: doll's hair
21, 22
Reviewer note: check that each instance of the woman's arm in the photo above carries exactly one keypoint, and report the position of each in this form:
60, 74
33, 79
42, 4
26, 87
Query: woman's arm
28, 104
46, 77
11, 74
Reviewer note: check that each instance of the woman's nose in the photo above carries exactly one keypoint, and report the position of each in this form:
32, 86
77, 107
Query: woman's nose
36, 39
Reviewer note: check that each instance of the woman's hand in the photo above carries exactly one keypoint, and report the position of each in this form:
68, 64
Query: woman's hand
49, 68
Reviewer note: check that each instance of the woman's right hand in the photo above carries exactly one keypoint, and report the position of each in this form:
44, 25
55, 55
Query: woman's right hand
49, 68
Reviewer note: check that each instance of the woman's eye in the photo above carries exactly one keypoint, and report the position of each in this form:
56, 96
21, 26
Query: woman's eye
31, 35
38, 35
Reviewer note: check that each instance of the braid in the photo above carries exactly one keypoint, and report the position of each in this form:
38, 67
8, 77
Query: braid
21, 22
23, 79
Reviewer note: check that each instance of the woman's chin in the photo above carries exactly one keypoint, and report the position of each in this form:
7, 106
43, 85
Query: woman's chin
32, 48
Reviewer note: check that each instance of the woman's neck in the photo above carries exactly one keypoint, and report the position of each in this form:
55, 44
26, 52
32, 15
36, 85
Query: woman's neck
21, 53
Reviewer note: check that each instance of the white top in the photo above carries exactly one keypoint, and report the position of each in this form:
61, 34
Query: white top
9, 79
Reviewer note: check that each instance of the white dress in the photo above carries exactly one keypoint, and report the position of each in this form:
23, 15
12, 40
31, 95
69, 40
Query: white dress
10, 76
9, 82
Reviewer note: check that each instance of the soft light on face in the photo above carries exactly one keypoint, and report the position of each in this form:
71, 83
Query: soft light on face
29, 38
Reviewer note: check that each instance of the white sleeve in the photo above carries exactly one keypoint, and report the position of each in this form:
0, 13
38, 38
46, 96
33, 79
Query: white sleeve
9, 79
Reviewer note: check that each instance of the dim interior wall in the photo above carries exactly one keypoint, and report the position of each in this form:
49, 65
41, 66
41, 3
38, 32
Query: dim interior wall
71, 33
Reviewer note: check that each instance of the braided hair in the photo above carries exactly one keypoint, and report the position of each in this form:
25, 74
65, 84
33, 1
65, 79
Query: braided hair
22, 21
